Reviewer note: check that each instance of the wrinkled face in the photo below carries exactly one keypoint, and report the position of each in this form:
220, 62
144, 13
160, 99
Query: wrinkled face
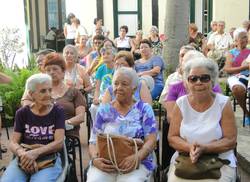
42, 94
70, 56
122, 86
145, 49
199, 81
83, 39
121, 62
55, 71
123, 32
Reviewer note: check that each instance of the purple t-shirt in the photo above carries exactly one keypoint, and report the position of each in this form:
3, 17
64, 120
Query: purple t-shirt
38, 129
178, 89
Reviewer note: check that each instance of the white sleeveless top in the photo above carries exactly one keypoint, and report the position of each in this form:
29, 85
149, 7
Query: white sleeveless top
71, 31
204, 127
123, 43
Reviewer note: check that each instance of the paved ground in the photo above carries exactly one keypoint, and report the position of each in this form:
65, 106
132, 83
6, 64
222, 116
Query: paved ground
243, 148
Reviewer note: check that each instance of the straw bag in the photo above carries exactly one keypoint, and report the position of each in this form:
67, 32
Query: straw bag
43, 161
207, 167
116, 148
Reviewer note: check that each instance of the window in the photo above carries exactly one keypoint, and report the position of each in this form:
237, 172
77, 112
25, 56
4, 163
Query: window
56, 13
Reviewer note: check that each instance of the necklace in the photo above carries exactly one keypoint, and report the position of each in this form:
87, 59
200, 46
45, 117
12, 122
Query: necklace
59, 91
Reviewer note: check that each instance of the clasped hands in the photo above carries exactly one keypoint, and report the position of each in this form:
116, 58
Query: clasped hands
27, 160
196, 150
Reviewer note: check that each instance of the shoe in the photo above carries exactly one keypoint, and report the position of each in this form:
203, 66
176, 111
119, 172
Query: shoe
247, 121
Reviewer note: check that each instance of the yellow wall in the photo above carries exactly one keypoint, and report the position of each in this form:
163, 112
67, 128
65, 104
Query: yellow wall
108, 15
233, 12
146, 17
162, 11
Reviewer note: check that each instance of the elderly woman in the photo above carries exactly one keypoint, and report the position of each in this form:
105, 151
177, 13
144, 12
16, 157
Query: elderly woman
83, 49
239, 72
127, 117
142, 92
71, 99
154, 38
40, 123
75, 75
178, 89
204, 122
150, 65
176, 76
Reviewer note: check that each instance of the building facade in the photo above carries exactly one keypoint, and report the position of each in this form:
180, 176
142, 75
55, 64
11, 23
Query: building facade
137, 14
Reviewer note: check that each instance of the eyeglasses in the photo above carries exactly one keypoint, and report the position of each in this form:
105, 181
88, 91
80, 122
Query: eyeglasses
203, 78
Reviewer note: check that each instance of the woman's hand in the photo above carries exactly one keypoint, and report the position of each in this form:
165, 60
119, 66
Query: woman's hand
27, 159
104, 165
196, 151
128, 164
96, 101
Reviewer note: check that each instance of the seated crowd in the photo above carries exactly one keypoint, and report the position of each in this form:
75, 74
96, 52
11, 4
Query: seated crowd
121, 79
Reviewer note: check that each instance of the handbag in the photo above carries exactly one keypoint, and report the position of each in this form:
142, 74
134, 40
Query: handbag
116, 148
42, 161
207, 167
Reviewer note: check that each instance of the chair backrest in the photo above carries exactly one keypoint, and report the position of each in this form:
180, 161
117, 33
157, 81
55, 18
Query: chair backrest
65, 164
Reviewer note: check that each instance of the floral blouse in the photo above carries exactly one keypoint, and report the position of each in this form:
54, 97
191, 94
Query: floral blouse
139, 122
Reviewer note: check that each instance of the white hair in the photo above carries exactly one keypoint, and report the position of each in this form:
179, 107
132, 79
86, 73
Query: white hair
35, 79
130, 73
237, 32
192, 54
202, 62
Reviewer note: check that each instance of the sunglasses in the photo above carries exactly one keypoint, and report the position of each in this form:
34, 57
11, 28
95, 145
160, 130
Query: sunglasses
203, 78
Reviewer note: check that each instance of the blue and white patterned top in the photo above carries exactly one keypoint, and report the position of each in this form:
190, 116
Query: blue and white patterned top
139, 122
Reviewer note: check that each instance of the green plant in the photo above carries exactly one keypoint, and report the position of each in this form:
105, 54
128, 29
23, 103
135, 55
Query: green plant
12, 93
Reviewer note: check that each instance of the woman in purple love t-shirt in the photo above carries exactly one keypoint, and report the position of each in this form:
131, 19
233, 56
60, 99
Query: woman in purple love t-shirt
40, 123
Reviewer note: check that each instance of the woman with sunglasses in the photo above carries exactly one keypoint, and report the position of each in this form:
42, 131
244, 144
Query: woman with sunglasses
204, 122
178, 88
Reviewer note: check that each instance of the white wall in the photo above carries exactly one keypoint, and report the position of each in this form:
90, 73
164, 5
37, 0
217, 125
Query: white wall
233, 12
85, 10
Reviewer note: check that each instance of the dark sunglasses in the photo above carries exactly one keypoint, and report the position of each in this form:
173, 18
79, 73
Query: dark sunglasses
203, 78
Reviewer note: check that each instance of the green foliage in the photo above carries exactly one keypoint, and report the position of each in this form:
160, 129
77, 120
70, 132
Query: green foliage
12, 93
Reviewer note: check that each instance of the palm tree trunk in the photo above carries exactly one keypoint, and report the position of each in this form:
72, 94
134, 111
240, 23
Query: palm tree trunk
176, 30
